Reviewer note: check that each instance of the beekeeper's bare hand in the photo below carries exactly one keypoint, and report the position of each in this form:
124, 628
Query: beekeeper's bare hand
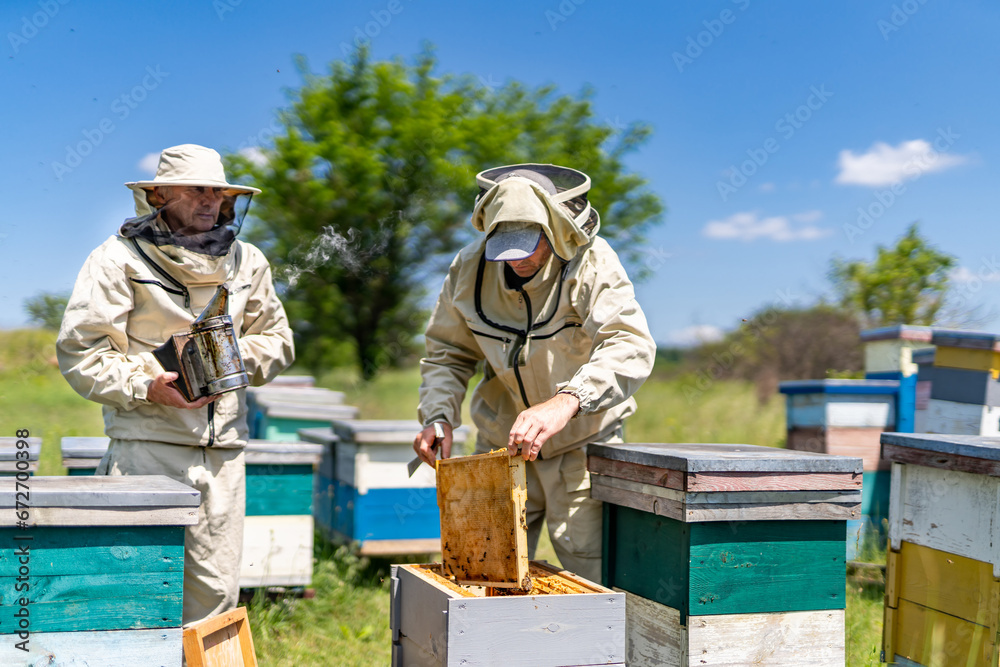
422, 443
161, 390
537, 424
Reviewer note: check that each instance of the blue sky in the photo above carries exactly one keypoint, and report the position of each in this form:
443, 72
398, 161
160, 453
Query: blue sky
785, 133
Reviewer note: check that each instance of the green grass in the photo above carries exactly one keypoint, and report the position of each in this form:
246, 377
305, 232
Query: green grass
346, 623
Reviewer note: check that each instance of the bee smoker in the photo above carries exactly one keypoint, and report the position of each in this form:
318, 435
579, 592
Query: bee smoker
207, 358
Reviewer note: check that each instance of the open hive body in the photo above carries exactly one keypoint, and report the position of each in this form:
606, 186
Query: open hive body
104, 568
942, 589
564, 620
364, 493
729, 554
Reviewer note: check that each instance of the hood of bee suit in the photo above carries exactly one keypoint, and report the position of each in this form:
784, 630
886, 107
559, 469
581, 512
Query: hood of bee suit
553, 197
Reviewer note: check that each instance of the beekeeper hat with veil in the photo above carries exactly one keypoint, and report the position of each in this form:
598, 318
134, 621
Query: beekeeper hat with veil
518, 203
194, 166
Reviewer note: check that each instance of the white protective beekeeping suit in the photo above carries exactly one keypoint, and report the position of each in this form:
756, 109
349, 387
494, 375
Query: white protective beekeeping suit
573, 327
138, 288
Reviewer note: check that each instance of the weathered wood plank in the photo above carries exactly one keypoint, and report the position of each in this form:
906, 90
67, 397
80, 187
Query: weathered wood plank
896, 485
125, 491
929, 637
92, 516
84, 447
724, 481
115, 648
728, 506
99, 602
672, 479
972, 446
965, 386
947, 510
399, 547
277, 549
965, 340
483, 529
9, 448
93, 550
949, 417
790, 639
654, 634
701, 458
543, 630
407, 653
947, 582
423, 612
974, 360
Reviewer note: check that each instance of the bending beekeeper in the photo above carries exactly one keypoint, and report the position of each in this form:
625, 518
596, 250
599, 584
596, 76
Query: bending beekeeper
145, 283
545, 304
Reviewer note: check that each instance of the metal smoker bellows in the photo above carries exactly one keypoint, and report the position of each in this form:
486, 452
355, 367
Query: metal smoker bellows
206, 358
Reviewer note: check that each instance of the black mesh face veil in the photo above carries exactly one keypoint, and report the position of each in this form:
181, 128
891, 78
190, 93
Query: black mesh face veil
215, 242
571, 188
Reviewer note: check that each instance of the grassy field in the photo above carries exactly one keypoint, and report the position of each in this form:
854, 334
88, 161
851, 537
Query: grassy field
346, 623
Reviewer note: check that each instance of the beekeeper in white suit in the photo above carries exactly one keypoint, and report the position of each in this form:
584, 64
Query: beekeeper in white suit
547, 307
144, 284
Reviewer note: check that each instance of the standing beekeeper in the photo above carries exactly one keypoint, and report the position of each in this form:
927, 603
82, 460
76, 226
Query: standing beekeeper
145, 283
547, 307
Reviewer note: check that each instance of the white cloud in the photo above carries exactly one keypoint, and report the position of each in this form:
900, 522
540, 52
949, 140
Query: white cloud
255, 155
964, 275
149, 162
766, 187
695, 335
884, 164
748, 226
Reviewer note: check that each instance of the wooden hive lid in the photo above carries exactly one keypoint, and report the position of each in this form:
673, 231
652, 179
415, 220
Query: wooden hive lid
695, 458
966, 453
911, 332
103, 501
483, 526
9, 448
970, 340
292, 410
84, 447
877, 387
322, 435
282, 453
386, 431
301, 394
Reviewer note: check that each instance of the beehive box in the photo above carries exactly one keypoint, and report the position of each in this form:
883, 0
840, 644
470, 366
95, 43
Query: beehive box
364, 493
82, 454
846, 418
278, 529
19, 455
281, 420
725, 539
105, 570
564, 620
943, 574
891, 354
296, 395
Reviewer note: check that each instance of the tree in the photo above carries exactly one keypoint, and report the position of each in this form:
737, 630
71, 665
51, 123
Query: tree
777, 344
905, 284
46, 309
368, 187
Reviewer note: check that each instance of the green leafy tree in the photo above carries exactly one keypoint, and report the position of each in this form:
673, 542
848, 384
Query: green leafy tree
905, 284
368, 188
46, 309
